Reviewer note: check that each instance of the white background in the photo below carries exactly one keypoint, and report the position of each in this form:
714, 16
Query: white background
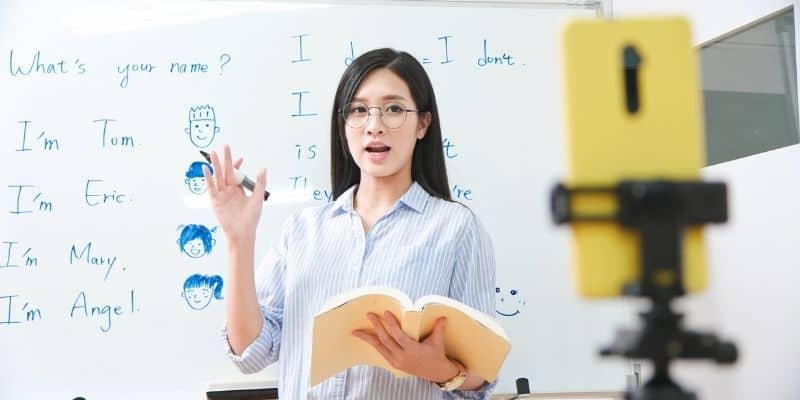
503, 120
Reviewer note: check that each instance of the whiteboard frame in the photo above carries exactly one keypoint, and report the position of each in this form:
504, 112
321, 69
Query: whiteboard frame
600, 7
603, 8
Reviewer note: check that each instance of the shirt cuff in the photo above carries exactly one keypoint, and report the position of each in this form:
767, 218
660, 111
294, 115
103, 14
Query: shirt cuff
481, 393
255, 356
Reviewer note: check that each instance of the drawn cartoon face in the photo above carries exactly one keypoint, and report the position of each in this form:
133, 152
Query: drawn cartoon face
196, 240
202, 131
194, 248
198, 298
195, 179
197, 185
508, 303
199, 290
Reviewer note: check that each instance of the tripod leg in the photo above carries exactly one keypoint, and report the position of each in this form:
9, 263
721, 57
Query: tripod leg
660, 386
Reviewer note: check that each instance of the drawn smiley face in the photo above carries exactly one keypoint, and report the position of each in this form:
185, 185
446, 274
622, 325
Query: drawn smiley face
508, 303
196, 185
194, 248
197, 298
202, 132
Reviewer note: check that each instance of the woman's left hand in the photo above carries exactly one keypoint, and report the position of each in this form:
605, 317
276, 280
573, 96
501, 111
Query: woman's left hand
425, 359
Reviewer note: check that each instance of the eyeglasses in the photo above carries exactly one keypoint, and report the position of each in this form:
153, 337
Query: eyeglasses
392, 115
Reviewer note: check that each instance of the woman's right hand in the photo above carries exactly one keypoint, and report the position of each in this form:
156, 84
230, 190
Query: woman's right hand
236, 212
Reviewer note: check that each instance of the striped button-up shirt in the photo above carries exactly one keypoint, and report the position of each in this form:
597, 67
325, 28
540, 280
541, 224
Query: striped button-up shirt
423, 245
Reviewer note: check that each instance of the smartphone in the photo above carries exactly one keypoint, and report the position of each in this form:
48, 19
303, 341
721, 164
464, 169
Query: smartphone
633, 111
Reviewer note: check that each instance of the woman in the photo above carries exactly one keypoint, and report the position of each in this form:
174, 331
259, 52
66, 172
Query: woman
392, 223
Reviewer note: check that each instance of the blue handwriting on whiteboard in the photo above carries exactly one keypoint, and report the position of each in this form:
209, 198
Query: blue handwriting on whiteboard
502, 59
301, 183
301, 58
460, 192
9, 313
447, 58
111, 140
310, 151
128, 68
448, 145
300, 112
196, 240
224, 59
93, 198
92, 260
199, 289
181, 68
39, 202
351, 57
195, 179
104, 312
48, 143
28, 259
202, 125
60, 67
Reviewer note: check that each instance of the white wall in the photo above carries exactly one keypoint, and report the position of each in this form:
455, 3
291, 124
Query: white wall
710, 18
752, 296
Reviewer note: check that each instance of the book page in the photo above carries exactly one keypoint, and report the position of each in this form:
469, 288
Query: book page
485, 319
346, 296
334, 348
467, 339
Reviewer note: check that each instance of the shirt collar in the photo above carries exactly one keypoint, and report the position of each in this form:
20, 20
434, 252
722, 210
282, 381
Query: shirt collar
345, 201
415, 198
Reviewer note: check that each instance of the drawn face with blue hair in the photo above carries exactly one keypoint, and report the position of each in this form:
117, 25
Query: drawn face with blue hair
202, 125
195, 179
198, 290
196, 240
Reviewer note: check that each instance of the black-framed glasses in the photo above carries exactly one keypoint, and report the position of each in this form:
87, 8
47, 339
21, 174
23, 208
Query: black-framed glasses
393, 115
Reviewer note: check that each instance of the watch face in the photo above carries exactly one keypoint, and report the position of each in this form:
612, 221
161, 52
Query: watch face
456, 382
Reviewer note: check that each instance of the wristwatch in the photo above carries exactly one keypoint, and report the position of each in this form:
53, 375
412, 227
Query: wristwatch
456, 381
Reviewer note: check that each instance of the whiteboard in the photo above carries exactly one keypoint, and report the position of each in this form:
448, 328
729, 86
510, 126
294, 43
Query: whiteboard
97, 112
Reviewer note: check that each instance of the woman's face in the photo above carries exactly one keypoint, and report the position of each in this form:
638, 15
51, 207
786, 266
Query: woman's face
383, 151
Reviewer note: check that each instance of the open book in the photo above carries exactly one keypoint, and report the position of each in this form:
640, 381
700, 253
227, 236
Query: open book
471, 336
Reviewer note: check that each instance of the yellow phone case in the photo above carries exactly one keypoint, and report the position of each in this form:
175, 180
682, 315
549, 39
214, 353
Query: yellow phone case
607, 143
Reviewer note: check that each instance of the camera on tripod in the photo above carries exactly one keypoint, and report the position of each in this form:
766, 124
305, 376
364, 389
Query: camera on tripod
633, 195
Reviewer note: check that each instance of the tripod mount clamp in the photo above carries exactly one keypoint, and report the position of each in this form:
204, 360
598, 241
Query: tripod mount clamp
660, 211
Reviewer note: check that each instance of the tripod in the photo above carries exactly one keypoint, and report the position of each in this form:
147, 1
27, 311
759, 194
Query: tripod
660, 211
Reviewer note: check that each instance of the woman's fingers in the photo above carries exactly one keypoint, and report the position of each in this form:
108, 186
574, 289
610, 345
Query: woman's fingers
394, 330
224, 177
212, 187
383, 335
260, 186
223, 170
228, 165
219, 174
376, 343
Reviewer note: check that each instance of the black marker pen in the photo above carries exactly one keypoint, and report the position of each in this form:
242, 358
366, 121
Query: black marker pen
239, 176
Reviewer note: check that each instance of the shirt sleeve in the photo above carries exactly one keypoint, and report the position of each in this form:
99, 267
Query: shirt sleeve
473, 284
270, 289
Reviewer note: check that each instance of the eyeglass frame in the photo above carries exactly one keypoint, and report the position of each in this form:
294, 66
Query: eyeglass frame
380, 109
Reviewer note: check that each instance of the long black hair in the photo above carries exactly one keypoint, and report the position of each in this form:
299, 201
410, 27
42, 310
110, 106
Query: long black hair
427, 163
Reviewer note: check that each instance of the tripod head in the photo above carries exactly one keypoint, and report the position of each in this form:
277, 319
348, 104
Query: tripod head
660, 211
